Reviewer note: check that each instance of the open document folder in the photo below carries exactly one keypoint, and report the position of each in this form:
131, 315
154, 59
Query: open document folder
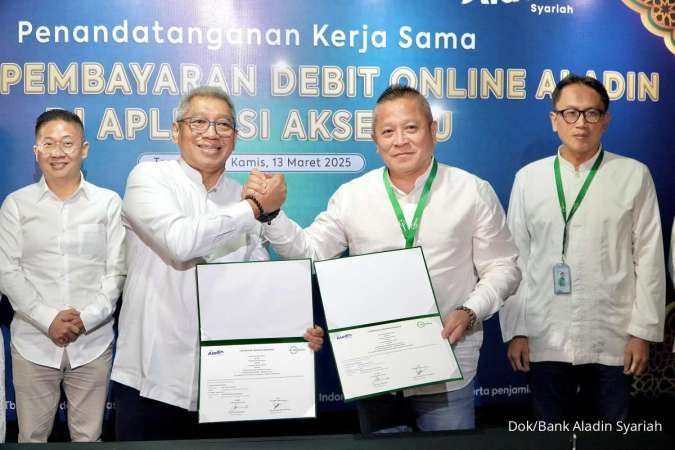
254, 362
383, 323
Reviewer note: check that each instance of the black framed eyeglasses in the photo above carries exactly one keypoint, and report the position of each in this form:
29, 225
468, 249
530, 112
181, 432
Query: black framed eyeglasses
571, 115
200, 125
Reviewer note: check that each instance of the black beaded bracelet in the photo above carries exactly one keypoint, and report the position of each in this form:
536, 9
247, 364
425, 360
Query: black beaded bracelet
257, 203
263, 217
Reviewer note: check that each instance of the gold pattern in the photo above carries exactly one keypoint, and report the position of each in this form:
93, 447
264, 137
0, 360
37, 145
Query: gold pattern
658, 16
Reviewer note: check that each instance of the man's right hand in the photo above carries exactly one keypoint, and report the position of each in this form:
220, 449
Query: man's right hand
66, 327
269, 189
519, 354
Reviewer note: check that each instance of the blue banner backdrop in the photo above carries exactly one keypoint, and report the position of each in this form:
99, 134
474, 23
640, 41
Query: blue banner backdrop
305, 75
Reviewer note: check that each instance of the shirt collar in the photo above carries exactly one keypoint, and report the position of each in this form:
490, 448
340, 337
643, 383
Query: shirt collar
196, 177
583, 167
419, 182
82, 188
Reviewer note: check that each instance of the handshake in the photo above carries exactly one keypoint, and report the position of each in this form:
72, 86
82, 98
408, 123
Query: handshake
265, 192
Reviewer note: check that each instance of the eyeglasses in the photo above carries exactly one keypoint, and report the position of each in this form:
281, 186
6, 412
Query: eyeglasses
200, 125
571, 115
67, 146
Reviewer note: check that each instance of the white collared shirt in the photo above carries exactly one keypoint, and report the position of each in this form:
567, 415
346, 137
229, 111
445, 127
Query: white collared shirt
672, 255
468, 249
58, 254
173, 223
614, 251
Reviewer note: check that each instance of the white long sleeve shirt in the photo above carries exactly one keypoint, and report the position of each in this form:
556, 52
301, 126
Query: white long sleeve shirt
672, 255
60, 254
468, 249
615, 254
3, 407
173, 223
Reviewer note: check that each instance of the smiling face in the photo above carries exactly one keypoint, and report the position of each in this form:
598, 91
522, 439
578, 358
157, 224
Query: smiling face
56, 165
205, 152
404, 137
581, 139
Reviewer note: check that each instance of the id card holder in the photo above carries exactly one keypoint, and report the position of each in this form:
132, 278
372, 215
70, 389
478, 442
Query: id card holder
562, 279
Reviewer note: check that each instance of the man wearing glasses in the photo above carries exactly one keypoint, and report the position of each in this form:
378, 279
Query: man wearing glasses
62, 267
179, 213
592, 298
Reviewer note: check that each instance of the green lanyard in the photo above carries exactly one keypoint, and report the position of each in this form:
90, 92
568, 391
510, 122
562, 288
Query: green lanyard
580, 195
410, 232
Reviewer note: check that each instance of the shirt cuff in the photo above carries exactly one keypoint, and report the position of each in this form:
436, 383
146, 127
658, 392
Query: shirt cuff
508, 335
280, 230
243, 215
92, 315
44, 316
476, 305
654, 334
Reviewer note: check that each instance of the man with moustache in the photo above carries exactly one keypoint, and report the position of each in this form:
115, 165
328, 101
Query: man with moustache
586, 222
62, 267
179, 213
453, 215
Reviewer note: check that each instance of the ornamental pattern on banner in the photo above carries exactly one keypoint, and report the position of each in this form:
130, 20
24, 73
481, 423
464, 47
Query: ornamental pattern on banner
658, 16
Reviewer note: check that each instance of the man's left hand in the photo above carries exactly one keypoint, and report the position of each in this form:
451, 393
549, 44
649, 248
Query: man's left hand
455, 325
635, 356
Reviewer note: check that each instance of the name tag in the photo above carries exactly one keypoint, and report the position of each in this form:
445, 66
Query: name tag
562, 279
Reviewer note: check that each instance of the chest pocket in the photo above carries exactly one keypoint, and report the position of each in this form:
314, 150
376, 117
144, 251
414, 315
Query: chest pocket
91, 240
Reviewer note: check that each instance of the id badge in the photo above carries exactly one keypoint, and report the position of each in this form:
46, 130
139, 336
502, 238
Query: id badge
562, 279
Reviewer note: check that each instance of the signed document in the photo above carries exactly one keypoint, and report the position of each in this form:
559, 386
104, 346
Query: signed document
383, 323
254, 362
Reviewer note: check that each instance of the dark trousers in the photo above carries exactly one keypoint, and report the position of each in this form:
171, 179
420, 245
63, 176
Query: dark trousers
385, 412
566, 392
142, 419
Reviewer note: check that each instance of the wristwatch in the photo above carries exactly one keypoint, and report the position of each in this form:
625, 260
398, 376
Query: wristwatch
268, 217
472, 316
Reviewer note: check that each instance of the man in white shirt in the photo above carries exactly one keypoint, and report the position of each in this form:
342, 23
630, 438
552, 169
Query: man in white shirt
588, 231
62, 268
462, 228
672, 254
179, 213
3, 407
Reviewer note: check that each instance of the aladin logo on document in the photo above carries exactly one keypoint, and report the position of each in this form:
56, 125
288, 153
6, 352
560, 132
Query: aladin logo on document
215, 352
343, 336
293, 349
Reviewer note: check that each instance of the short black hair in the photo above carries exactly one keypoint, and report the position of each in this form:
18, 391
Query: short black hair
58, 114
573, 78
396, 91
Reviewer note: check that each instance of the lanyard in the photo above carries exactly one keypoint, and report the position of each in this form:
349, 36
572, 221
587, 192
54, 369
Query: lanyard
580, 195
410, 232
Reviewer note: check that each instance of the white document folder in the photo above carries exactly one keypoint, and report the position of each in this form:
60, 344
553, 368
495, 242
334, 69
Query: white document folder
383, 323
254, 362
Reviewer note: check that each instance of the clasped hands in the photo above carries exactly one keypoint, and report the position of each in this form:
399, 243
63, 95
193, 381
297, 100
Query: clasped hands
268, 189
66, 327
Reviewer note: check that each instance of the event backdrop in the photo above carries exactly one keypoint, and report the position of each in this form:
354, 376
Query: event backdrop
305, 75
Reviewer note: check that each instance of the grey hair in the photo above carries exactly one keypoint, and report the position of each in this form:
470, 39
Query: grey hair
204, 91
